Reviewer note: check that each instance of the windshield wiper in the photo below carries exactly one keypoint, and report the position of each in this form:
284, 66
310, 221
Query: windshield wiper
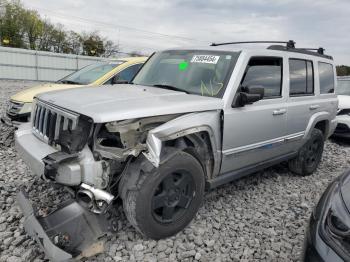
69, 82
169, 87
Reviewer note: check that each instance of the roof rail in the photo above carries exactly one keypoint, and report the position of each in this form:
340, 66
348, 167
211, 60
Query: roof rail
307, 51
289, 44
319, 50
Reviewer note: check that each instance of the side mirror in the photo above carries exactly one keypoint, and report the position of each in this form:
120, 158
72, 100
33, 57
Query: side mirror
249, 95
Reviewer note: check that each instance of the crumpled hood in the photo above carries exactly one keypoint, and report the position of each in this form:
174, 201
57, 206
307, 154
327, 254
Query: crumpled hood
344, 102
119, 102
27, 95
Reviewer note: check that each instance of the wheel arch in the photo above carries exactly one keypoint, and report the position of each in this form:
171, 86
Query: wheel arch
194, 127
321, 121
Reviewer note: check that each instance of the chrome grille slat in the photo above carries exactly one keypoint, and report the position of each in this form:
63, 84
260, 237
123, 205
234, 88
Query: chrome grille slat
45, 122
41, 120
48, 121
65, 123
58, 124
37, 114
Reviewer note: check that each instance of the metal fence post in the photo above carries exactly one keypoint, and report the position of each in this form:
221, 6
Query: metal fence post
36, 65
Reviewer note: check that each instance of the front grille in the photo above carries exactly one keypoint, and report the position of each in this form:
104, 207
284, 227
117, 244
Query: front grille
48, 121
13, 108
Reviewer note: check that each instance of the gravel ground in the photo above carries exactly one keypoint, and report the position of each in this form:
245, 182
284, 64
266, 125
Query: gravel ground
262, 217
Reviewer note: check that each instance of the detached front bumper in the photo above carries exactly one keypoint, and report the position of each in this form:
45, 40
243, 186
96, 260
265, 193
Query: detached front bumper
68, 232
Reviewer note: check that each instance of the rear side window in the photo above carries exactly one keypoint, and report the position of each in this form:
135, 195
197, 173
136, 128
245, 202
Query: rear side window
326, 74
301, 77
265, 72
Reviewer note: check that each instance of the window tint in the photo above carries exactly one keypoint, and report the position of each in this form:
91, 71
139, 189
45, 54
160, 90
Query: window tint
326, 78
301, 77
127, 74
265, 72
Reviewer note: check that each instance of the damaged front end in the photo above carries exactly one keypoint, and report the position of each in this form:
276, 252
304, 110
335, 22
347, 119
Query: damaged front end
69, 232
89, 159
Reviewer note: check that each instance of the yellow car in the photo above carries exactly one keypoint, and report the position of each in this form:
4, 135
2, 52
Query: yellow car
101, 73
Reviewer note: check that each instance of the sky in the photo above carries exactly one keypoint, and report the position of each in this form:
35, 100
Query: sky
146, 26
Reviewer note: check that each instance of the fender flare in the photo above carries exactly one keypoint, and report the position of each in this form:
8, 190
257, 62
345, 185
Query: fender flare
182, 126
317, 117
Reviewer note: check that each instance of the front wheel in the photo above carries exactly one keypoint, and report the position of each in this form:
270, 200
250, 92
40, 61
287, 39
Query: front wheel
167, 198
309, 156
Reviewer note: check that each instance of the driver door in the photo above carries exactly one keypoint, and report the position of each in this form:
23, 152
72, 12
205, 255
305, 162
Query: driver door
255, 132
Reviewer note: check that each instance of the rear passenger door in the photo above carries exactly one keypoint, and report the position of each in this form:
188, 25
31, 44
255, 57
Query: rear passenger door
301, 97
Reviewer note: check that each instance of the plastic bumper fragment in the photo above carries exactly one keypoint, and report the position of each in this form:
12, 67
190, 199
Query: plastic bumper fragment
68, 232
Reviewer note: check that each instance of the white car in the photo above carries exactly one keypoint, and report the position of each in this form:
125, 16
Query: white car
343, 116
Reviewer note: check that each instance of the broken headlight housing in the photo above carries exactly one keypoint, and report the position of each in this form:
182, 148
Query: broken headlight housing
74, 140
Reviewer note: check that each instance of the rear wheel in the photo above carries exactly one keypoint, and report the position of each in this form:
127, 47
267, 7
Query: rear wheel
167, 198
309, 156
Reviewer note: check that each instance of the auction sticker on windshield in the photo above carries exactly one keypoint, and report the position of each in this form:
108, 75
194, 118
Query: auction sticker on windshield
207, 59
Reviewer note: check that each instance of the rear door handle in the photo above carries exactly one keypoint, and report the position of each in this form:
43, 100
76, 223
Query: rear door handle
279, 112
313, 107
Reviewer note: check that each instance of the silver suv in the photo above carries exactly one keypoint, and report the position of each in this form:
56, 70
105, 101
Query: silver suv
192, 119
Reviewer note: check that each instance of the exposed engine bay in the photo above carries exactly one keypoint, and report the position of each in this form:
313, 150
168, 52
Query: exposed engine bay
95, 171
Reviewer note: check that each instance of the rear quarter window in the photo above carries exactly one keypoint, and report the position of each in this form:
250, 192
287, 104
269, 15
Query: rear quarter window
326, 75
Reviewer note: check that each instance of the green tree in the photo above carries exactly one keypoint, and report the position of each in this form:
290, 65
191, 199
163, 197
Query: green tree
11, 25
58, 39
92, 44
33, 27
74, 43
46, 37
343, 70
23, 28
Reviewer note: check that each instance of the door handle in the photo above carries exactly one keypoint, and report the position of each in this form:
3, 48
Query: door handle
313, 107
279, 112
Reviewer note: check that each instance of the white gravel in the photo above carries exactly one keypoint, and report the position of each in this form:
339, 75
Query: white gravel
259, 218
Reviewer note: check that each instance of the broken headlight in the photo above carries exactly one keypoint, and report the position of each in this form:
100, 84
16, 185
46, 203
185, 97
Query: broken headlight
73, 140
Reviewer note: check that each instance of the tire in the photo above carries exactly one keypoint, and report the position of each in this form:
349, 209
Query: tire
309, 156
166, 198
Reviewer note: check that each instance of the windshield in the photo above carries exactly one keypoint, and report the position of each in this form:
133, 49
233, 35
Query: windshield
90, 73
343, 87
203, 73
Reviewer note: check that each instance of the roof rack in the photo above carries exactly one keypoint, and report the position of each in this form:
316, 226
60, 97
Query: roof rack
289, 46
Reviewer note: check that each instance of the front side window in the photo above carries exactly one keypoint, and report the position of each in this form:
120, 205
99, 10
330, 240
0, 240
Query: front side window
265, 72
326, 74
343, 87
199, 72
301, 77
90, 73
